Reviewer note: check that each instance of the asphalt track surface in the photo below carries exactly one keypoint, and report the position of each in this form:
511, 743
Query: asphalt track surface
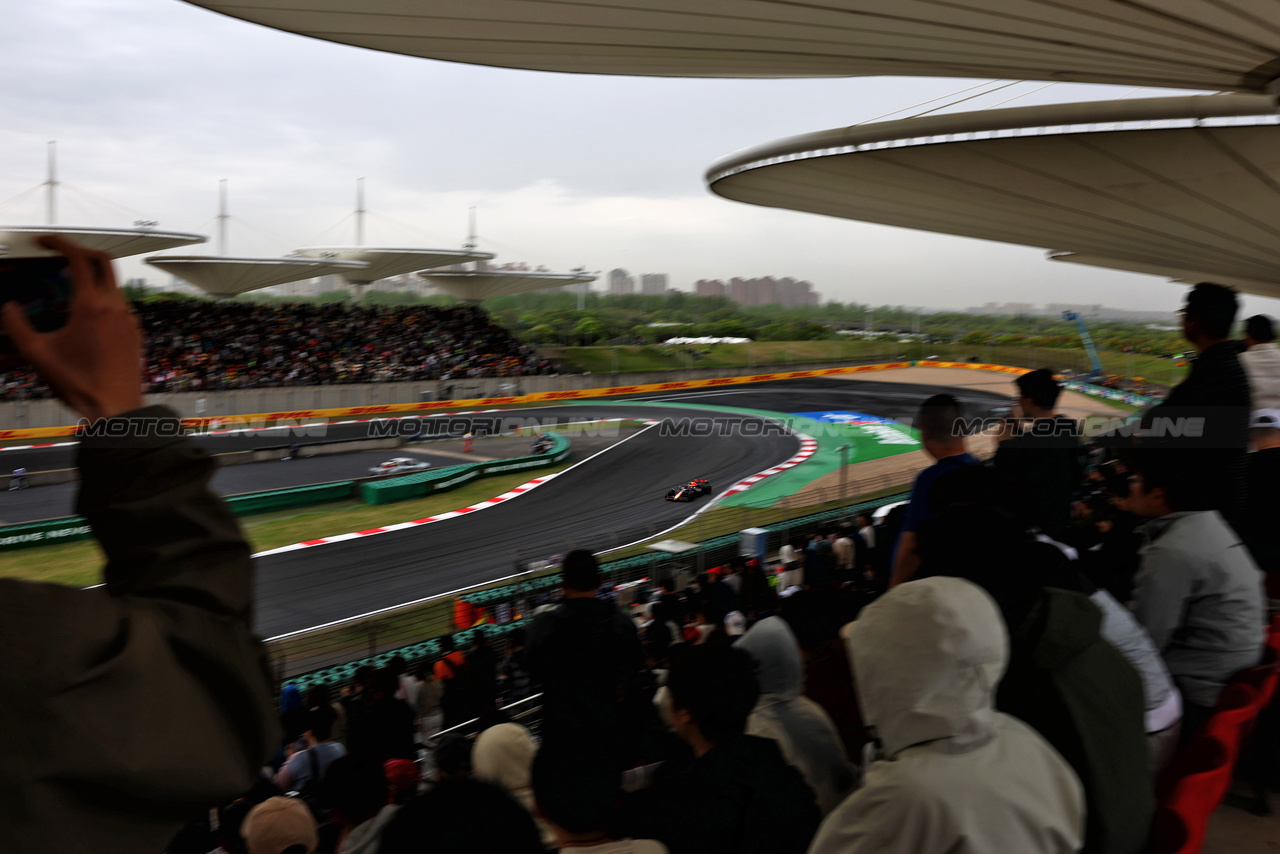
614, 498
57, 500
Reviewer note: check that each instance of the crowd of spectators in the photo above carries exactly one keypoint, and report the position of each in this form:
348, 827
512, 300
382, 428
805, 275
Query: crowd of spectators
203, 345
984, 670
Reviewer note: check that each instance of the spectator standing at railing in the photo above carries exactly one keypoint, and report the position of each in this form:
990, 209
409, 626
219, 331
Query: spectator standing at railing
128, 708
1204, 422
941, 425
1261, 362
1039, 455
1261, 531
582, 652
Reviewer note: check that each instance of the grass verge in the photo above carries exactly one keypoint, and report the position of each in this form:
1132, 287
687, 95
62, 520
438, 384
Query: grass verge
79, 564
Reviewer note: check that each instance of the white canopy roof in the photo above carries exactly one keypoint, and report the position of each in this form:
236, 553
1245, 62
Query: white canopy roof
221, 276
478, 286
1124, 184
382, 263
1194, 44
116, 242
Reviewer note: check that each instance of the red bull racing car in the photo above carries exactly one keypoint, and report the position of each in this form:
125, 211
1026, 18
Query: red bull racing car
690, 490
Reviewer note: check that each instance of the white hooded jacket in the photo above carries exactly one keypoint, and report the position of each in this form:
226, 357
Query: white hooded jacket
803, 730
956, 776
503, 755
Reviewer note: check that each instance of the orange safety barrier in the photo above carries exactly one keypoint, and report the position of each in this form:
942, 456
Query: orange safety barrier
297, 416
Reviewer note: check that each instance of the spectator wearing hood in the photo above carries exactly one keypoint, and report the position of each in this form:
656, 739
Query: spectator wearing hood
951, 774
737, 795
1063, 677
804, 733
503, 755
582, 652
828, 679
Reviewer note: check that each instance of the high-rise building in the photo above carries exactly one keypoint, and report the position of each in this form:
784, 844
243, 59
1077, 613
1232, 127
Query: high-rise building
621, 282
653, 284
709, 288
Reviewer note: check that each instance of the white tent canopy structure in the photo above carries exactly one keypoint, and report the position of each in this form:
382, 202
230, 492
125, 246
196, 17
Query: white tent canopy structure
224, 277
382, 263
116, 242
1197, 44
1181, 187
478, 286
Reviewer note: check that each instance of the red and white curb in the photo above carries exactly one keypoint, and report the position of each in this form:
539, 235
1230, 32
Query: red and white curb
386, 529
483, 505
808, 447
29, 447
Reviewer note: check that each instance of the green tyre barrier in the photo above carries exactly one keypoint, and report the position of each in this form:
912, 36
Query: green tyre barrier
427, 483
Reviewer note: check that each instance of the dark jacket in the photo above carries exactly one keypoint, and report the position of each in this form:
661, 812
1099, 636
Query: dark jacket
1043, 468
582, 652
1216, 390
131, 708
741, 797
1087, 701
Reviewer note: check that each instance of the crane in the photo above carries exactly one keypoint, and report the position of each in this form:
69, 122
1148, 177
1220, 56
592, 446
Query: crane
1095, 374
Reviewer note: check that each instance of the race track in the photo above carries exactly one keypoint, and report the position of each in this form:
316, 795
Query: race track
613, 499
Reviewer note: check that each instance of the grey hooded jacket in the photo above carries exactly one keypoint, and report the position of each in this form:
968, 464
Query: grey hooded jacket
803, 730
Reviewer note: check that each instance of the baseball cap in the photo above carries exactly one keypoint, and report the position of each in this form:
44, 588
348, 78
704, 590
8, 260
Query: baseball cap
1263, 418
277, 824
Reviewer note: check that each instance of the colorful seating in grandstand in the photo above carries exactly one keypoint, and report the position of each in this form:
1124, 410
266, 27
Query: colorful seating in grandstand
1203, 775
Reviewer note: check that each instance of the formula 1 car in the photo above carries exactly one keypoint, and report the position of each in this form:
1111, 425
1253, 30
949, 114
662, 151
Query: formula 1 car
689, 490
399, 465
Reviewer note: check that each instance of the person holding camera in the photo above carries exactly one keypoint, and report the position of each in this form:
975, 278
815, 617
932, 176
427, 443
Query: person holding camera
133, 706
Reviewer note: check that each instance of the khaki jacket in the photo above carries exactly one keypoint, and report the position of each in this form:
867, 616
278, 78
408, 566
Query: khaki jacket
130, 708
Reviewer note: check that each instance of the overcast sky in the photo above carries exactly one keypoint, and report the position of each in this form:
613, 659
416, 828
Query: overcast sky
152, 102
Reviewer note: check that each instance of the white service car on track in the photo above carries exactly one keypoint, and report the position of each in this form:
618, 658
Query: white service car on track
400, 465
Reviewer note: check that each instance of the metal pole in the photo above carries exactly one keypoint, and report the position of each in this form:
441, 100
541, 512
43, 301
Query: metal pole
844, 474
51, 195
359, 212
222, 217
